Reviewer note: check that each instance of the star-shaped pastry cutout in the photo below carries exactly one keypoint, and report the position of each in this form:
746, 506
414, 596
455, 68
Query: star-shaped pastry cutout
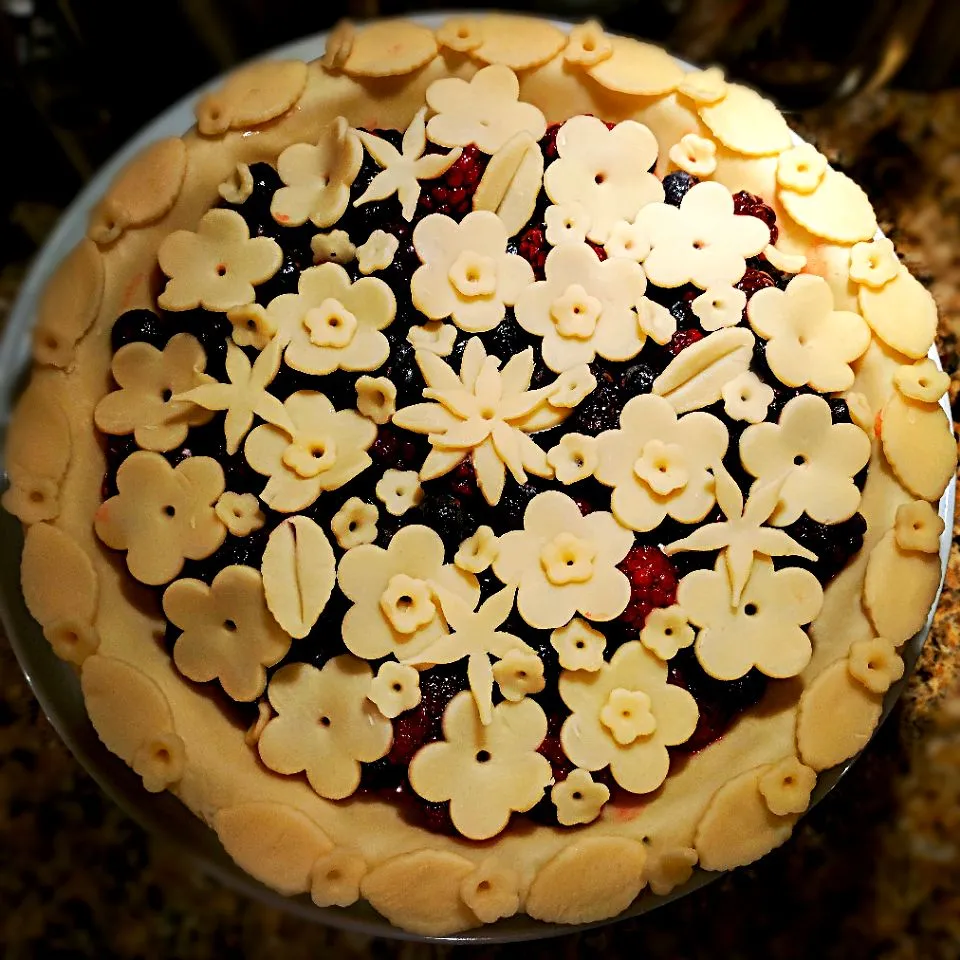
742, 535
245, 396
403, 170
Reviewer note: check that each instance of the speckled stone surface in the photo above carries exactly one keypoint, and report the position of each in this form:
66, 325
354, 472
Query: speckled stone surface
873, 872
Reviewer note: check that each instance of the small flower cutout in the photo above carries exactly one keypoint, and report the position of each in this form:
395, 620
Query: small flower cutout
355, 523
467, 274
395, 689
588, 45
874, 264
335, 878
918, 527
566, 223
574, 458
923, 381
333, 247
719, 307
578, 798
492, 891
402, 170
377, 253
252, 326
462, 34
434, 337
786, 787
627, 715
476, 553
218, 266
695, 155
484, 111
149, 380
240, 513
801, 168
228, 634
666, 630
399, 491
876, 664
603, 170
160, 761
579, 646
746, 397
518, 674
317, 178
627, 240
376, 398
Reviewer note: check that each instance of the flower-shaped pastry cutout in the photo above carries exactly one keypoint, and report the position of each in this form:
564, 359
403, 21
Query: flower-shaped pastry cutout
818, 457
355, 523
801, 168
747, 397
584, 307
477, 637
578, 798
492, 891
786, 787
742, 535
670, 869
376, 398
434, 337
467, 274
486, 413
694, 154
333, 324
574, 458
875, 663
325, 725
324, 449
764, 630
604, 171
704, 86
395, 689
317, 178
365, 575
160, 761
588, 45
566, 223
486, 771
660, 465
462, 34
240, 513
923, 381
484, 110
627, 240
719, 307
518, 674
666, 630
579, 646
565, 563
919, 527
163, 515
245, 396
149, 380
377, 253
228, 634
476, 553
333, 247
874, 264
404, 169
238, 186
668, 713
702, 241
808, 342
252, 326
399, 491
335, 878
218, 266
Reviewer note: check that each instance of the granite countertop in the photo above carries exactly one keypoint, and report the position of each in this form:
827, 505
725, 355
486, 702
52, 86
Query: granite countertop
873, 871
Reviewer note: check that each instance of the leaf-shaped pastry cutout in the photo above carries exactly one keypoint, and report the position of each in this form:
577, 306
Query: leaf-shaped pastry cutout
918, 444
695, 377
901, 313
299, 570
511, 183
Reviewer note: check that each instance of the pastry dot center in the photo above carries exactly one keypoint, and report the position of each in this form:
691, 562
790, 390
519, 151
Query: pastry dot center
751, 610
230, 626
483, 756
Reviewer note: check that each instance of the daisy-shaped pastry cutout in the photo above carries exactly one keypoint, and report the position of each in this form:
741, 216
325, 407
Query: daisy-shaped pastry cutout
404, 169
476, 553
252, 327
747, 397
434, 337
764, 630
579, 646
719, 307
317, 178
584, 307
742, 535
399, 491
808, 342
240, 513
333, 247
395, 689
695, 154
485, 413
624, 716
566, 223
377, 253
818, 458
476, 638
565, 563
467, 274
660, 465
874, 264
578, 798
245, 396
355, 523
604, 171
588, 45
486, 771
147, 404
702, 241
324, 449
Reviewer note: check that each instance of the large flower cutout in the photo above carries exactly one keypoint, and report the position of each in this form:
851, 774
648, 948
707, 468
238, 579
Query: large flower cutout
228, 633
809, 343
467, 273
818, 458
484, 110
163, 515
702, 241
325, 726
218, 266
742, 535
324, 449
393, 592
146, 404
333, 324
317, 178
584, 307
486, 413
605, 171
659, 464
245, 396
476, 638
624, 716
764, 630
404, 169
486, 771
565, 563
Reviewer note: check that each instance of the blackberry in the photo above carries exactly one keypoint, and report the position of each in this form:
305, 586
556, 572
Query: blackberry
507, 338
256, 208
834, 544
401, 367
212, 331
750, 205
676, 186
285, 280
513, 505
140, 326
446, 514
599, 411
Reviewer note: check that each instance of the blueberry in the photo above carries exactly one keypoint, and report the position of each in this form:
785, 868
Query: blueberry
637, 379
447, 515
839, 411
285, 280
140, 326
677, 185
599, 411
513, 505
401, 367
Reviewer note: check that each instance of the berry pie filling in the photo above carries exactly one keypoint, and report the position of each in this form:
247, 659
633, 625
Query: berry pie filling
481, 468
